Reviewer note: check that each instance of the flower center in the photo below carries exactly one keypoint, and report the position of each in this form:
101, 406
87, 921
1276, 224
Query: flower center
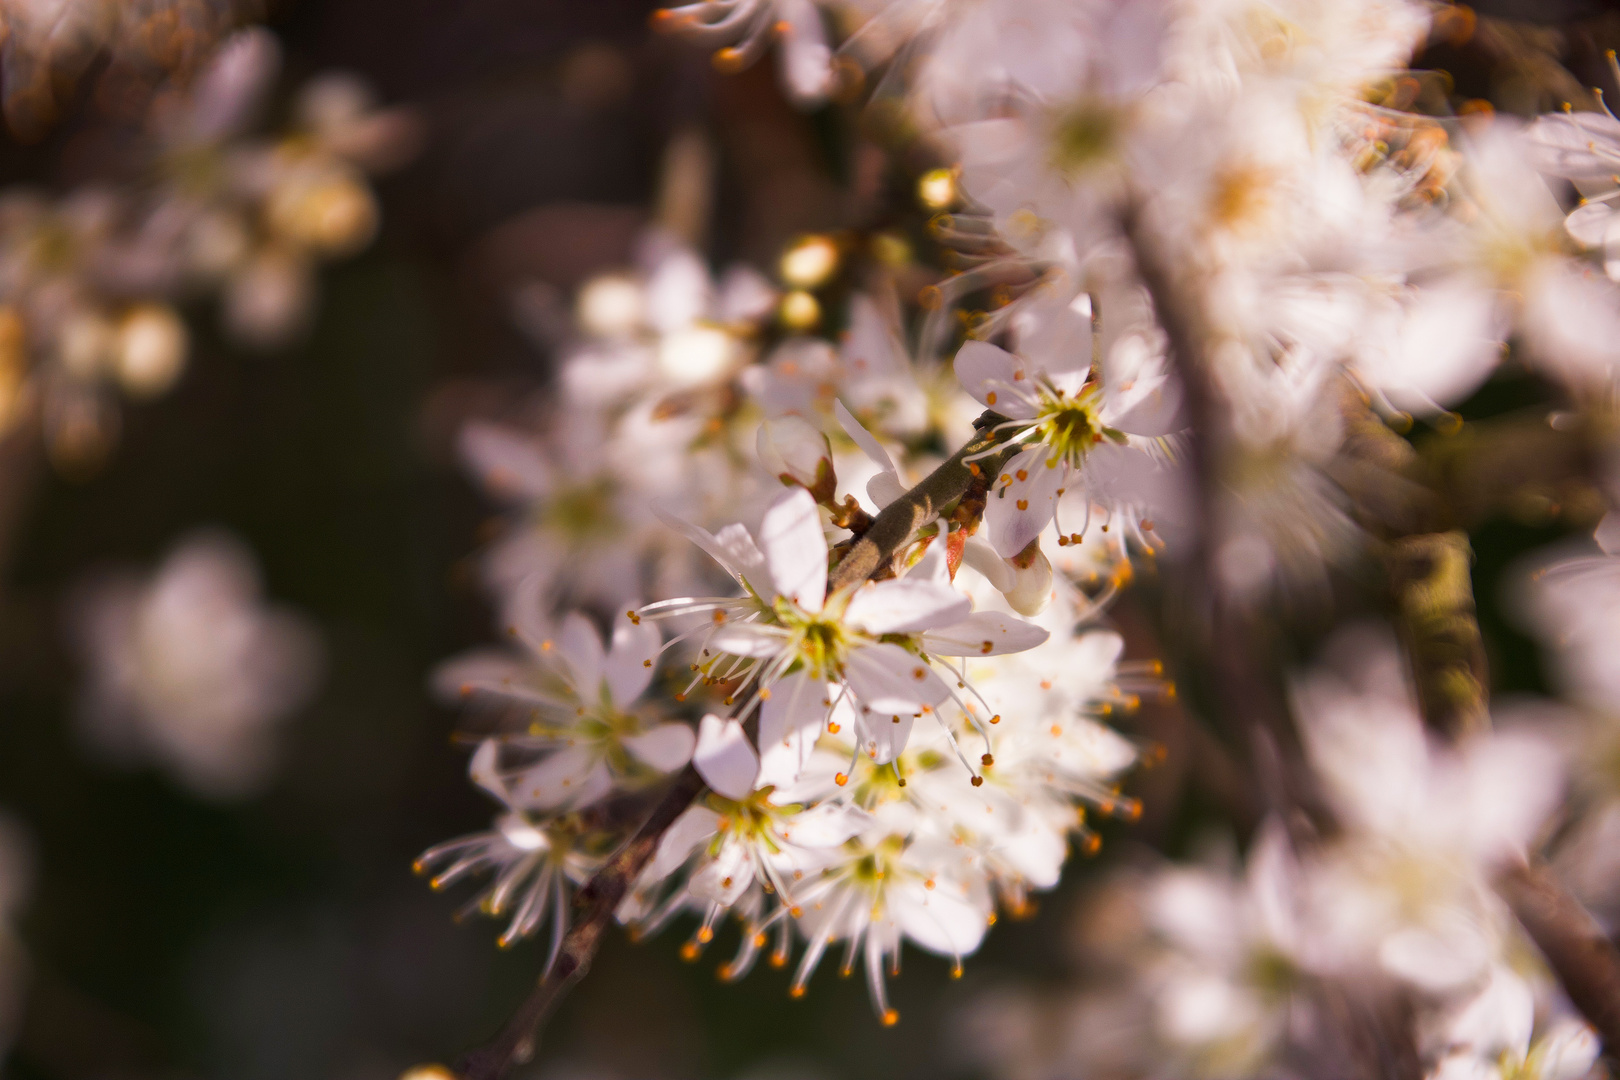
582, 512
1085, 136
820, 644
1071, 426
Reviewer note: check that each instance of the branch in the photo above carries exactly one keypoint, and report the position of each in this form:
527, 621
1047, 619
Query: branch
1238, 653
891, 529
1251, 702
599, 898
1584, 959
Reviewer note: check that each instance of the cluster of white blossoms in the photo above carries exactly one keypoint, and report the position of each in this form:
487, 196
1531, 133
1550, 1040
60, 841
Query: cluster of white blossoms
1202, 228
885, 760
90, 280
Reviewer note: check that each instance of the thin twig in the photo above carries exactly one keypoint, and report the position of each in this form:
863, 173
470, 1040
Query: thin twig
599, 899
891, 529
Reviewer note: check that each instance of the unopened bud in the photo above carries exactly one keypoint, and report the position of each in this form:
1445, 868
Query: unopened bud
1032, 580
796, 453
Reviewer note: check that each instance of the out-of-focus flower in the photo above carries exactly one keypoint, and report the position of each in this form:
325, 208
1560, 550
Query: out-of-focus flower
587, 733
191, 670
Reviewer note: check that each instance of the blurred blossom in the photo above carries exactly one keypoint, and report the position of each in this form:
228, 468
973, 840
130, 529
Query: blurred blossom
191, 670
90, 280
51, 44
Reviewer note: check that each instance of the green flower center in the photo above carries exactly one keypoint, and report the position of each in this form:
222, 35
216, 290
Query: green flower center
583, 512
1070, 426
1085, 136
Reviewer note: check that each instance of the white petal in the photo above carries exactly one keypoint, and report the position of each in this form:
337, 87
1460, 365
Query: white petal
580, 650
932, 567
483, 770
795, 703
666, 747
905, 606
887, 679
826, 825
695, 825
724, 757
571, 777
979, 555
747, 639
883, 735
796, 549
984, 633
806, 63
997, 378
488, 672
629, 666
1589, 224
735, 553
1567, 1052
863, 438
508, 463
942, 919
525, 611
1019, 510
884, 488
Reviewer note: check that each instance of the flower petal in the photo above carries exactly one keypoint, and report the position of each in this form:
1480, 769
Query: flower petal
883, 735
580, 649
731, 547
943, 919
724, 758
571, 777
984, 633
997, 378
747, 639
796, 549
484, 769
789, 725
887, 679
905, 606
695, 825
666, 747
1020, 507
509, 463
863, 438
629, 665
487, 671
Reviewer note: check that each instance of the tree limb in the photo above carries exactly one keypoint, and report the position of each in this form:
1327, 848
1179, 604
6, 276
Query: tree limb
890, 530
1579, 953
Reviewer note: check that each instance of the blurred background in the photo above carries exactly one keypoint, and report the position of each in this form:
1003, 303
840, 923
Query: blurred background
284, 934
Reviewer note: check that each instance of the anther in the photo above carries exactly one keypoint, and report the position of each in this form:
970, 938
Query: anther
977, 781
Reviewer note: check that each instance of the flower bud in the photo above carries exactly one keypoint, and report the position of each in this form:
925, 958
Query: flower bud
1032, 580
796, 453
